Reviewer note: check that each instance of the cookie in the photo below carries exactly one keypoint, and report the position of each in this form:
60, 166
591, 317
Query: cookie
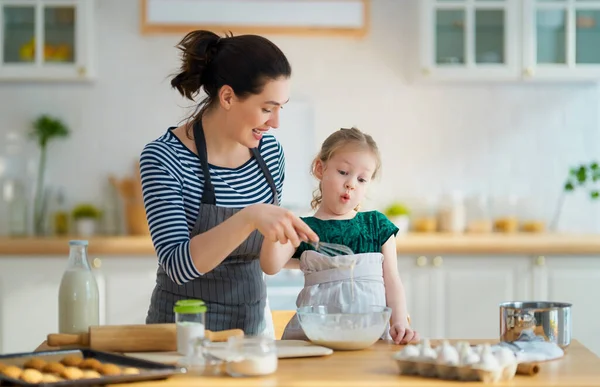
32, 376
12, 371
109, 370
71, 360
71, 373
53, 368
90, 374
50, 378
36, 363
90, 364
131, 371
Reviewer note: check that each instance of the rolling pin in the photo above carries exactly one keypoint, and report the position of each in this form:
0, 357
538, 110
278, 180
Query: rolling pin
131, 338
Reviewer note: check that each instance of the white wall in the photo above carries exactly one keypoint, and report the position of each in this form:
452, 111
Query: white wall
496, 139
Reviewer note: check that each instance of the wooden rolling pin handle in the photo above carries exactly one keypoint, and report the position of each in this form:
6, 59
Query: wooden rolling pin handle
528, 369
61, 339
223, 335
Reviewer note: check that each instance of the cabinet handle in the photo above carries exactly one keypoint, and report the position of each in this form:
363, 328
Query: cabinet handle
81, 71
438, 261
425, 71
528, 71
422, 261
96, 263
540, 261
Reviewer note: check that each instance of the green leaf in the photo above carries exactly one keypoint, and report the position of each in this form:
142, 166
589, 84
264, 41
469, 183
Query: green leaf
46, 128
581, 175
569, 186
594, 194
594, 166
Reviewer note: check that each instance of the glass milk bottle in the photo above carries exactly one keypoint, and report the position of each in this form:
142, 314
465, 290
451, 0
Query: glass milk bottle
78, 295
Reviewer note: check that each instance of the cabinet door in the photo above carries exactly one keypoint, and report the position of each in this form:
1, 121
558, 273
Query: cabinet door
469, 290
575, 280
45, 40
469, 39
561, 39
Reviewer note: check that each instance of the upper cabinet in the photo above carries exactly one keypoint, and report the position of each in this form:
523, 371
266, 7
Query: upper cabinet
46, 40
510, 39
290, 17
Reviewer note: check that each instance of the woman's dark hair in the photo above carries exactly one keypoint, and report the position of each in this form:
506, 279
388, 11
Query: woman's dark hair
244, 62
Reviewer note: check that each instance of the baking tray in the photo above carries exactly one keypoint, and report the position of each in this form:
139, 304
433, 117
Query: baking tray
148, 370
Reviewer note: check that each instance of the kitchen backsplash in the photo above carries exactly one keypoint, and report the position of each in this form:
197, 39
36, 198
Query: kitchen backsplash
496, 139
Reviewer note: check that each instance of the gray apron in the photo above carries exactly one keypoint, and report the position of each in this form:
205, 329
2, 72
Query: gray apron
234, 291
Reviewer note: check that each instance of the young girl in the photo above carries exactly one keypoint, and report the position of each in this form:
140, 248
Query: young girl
345, 166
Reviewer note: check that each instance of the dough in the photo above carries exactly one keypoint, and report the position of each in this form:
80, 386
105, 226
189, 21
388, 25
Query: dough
36, 363
90, 364
54, 368
109, 370
71, 360
90, 374
31, 376
72, 373
131, 371
12, 371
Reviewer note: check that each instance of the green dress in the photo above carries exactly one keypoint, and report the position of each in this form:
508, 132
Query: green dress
367, 232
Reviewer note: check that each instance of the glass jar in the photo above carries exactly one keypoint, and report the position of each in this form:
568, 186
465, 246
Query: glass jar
423, 217
479, 219
452, 215
251, 356
506, 214
190, 323
78, 295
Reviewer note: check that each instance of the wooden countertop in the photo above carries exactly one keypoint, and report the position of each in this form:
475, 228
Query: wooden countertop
417, 244
375, 367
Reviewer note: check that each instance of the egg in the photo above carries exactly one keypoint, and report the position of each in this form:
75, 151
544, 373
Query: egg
447, 354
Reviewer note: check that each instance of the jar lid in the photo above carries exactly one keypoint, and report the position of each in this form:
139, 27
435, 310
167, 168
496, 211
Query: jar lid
78, 242
189, 307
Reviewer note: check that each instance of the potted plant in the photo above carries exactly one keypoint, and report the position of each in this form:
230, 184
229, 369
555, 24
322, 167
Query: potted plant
583, 176
86, 218
398, 214
44, 129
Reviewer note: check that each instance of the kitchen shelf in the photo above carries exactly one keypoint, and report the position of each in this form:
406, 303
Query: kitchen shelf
412, 243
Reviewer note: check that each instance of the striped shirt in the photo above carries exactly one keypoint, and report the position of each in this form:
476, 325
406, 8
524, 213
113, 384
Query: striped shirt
172, 185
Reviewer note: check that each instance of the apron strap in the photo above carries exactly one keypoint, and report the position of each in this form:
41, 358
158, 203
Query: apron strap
263, 166
208, 191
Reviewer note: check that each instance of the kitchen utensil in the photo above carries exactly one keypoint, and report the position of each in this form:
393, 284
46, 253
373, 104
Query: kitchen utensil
536, 321
349, 327
131, 338
331, 249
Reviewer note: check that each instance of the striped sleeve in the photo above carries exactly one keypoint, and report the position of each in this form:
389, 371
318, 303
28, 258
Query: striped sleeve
162, 184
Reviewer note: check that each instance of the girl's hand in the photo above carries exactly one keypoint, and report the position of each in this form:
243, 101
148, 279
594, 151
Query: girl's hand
279, 224
403, 334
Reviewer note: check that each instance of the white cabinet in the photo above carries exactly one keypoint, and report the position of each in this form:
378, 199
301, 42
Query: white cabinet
457, 297
29, 295
575, 280
499, 40
46, 40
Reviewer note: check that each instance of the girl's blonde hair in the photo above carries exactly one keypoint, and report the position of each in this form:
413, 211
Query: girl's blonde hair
336, 141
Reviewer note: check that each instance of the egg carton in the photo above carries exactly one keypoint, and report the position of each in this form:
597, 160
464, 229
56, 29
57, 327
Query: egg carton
465, 373
461, 362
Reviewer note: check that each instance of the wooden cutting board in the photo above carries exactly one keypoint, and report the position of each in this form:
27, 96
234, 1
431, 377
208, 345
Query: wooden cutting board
285, 349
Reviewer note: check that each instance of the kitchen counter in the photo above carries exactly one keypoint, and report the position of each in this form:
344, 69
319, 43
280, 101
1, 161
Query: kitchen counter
375, 366
412, 243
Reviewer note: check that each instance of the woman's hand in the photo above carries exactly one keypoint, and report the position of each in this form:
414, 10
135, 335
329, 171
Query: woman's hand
403, 334
278, 224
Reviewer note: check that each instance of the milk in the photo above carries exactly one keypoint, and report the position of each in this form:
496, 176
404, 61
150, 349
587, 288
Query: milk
78, 296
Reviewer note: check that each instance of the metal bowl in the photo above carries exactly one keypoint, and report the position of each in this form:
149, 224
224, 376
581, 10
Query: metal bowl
350, 327
536, 320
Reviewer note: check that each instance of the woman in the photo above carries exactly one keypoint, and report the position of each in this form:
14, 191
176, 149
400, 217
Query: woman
212, 187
